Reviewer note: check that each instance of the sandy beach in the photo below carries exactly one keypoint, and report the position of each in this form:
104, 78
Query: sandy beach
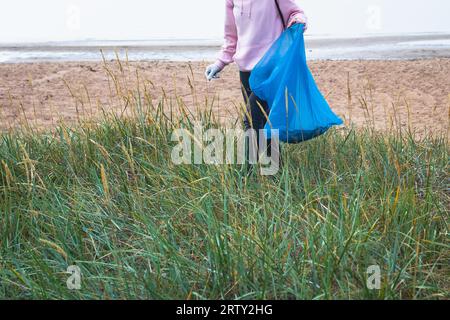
386, 93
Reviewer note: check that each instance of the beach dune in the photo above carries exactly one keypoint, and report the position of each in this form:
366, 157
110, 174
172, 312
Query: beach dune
409, 93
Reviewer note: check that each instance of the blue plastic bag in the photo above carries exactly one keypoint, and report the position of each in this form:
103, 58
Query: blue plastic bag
282, 79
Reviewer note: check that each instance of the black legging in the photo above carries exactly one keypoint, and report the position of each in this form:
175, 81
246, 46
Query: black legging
258, 119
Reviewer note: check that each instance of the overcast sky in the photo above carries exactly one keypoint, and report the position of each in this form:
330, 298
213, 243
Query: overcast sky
56, 20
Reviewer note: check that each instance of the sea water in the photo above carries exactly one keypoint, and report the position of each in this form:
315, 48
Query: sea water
379, 47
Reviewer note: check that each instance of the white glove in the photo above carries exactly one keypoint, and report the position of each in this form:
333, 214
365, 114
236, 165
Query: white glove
212, 72
300, 18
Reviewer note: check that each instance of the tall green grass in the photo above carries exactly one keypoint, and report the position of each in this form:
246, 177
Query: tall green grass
107, 198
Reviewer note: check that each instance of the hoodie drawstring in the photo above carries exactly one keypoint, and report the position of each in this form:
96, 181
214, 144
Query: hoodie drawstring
250, 9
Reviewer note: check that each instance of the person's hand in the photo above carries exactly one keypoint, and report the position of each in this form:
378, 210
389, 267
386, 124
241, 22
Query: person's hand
299, 19
212, 72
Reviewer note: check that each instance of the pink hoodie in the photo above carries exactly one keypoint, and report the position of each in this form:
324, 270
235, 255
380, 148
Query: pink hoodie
251, 27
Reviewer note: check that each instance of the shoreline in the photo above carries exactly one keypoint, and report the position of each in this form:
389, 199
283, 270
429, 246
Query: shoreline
380, 47
218, 42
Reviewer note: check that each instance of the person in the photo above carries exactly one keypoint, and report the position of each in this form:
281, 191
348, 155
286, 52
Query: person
251, 27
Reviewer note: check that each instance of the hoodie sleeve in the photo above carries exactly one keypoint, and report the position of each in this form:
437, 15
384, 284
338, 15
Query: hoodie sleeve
291, 11
229, 48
